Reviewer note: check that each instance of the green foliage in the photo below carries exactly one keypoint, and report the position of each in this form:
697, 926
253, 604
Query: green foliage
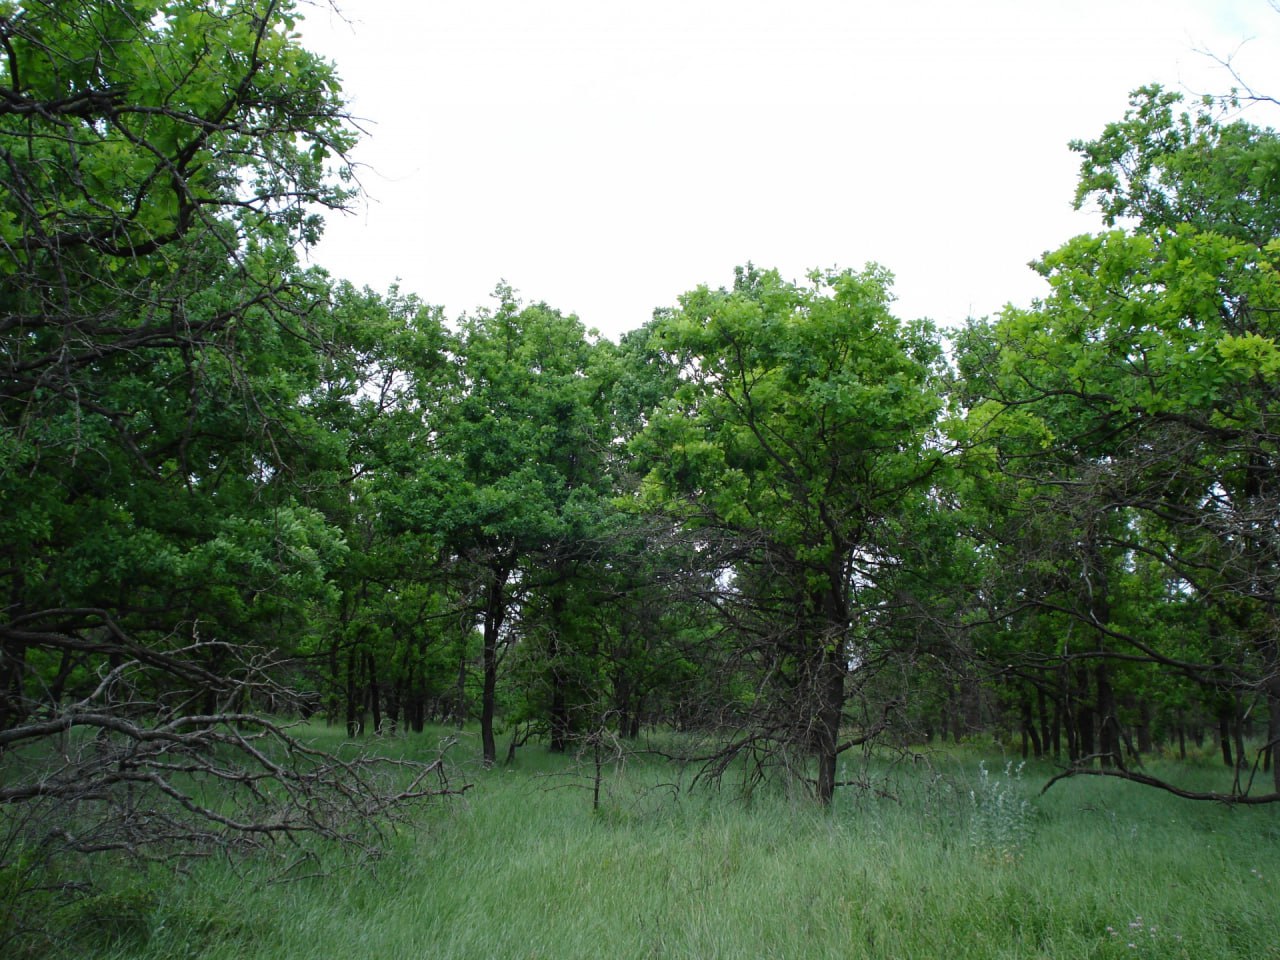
798, 446
174, 391
1161, 166
1124, 446
161, 159
772, 516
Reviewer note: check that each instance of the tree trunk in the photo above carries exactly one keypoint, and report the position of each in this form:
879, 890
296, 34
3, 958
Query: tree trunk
559, 709
355, 719
1084, 717
1273, 730
495, 610
832, 665
1048, 733
1145, 742
1224, 733
831, 687
1061, 719
1029, 731
415, 709
374, 699
1237, 731
1109, 745
13, 663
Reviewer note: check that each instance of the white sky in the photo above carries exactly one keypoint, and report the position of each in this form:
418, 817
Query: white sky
605, 157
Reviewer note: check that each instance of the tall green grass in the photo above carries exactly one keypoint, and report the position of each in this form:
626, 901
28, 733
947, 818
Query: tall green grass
956, 863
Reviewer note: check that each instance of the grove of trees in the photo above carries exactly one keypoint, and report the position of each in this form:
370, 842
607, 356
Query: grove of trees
235, 491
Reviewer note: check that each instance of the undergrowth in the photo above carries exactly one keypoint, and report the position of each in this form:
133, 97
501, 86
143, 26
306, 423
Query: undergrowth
954, 856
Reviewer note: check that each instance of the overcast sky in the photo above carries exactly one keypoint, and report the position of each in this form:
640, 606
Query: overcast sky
605, 157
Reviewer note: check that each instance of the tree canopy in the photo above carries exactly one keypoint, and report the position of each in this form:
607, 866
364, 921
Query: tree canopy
237, 493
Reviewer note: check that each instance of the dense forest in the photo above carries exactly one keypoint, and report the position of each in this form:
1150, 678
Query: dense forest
236, 491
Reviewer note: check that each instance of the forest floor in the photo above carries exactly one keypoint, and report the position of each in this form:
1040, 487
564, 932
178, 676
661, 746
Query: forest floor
954, 855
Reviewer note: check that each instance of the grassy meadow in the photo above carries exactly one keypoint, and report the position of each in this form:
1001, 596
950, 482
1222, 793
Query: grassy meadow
952, 856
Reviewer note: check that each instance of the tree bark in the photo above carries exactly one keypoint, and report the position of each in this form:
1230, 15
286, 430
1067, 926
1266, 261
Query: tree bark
1029, 731
495, 611
831, 687
1145, 742
559, 708
1048, 734
1224, 733
374, 698
1273, 730
13, 661
1084, 717
832, 666
1109, 745
355, 719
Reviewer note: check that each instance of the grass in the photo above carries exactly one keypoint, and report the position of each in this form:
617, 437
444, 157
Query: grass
522, 867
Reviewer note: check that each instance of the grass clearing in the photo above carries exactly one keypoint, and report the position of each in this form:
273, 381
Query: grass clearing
523, 867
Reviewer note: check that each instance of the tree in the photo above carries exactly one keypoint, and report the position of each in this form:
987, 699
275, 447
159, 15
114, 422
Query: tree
160, 162
798, 443
1138, 399
512, 461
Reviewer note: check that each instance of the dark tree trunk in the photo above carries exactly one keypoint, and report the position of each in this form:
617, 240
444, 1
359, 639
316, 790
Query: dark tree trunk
13, 664
374, 699
495, 610
1237, 732
559, 709
413, 705
1048, 734
1224, 734
1145, 742
415, 710
1109, 745
68, 663
1061, 721
831, 686
1029, 731
355, 718
1084, 717
1273, 730
832, 665
13, 661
